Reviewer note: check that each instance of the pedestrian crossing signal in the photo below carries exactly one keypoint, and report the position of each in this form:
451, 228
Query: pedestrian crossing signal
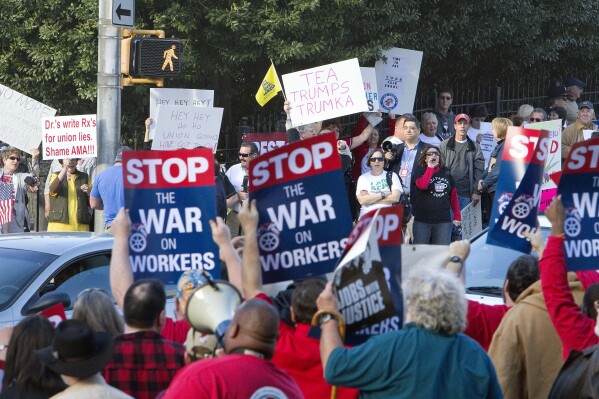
153, 57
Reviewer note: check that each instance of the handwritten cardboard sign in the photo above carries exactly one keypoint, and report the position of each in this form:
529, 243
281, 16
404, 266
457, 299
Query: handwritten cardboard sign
180, 126
180, 97
324, 92
21, 119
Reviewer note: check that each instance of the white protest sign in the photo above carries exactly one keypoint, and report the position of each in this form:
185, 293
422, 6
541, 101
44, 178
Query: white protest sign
187, 127
484, 137
184, 97
370, 88
586, 134
325, 92
69, 137
553, 163
397, 80
21, 119
472, 221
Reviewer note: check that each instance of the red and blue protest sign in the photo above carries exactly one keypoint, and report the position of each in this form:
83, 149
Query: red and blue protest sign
304, 216
518, 192
368, 279
170, 196
267, 141
579, 188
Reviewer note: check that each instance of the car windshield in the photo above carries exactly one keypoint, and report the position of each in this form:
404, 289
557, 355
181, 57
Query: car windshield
17, 268
487, 265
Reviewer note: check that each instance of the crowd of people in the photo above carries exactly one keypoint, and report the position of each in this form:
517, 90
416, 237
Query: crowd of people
289, 344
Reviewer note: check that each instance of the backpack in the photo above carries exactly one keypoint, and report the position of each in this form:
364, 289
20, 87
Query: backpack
403, 199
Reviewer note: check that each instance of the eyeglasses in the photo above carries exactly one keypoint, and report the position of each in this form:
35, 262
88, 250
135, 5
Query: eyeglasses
536, 120
14, 158
241, 154
432, 154
377, 159
445, 98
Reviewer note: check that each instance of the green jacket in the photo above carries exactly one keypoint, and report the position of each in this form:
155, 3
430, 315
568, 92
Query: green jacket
59, 204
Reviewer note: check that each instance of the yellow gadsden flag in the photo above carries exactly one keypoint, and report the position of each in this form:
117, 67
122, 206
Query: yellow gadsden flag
269, 87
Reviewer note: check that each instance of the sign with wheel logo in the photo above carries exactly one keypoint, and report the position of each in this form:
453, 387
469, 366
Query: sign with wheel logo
579, 188
515, 209
303, 206
170, 197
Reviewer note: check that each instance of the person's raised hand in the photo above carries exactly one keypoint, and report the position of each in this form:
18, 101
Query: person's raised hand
248, 216
121, 224
220, 232
327, 299
555, 214
536, 240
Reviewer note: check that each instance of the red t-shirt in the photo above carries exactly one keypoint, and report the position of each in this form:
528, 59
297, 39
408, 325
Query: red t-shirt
175, 330
233, 376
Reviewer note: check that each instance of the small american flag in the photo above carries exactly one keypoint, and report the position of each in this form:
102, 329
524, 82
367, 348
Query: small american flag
7, 201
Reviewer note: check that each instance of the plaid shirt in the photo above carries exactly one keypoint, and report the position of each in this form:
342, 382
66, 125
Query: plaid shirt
143, 364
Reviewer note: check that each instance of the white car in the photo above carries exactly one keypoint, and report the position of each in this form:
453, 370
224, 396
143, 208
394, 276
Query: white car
46, 266
487, 266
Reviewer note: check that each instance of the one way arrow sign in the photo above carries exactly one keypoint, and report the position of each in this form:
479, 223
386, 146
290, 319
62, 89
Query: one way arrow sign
123, 12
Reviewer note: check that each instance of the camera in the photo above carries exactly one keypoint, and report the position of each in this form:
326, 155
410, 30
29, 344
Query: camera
30, 181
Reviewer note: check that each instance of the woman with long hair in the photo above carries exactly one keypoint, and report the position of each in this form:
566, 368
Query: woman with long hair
433, 197
25, 376
96, 308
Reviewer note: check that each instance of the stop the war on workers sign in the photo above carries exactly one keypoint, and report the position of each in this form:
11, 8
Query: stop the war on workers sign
368, 278
516, 201
170, 196
579, 188
304, 216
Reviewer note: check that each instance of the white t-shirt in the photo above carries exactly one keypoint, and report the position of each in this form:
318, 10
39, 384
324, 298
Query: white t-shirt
430, 140
374, 185
236, 174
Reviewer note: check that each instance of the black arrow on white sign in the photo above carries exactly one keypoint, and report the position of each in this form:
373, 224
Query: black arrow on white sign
122, 11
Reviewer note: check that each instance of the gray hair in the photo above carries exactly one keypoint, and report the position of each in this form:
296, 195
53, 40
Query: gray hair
96, 308
541, 111
435, 300
525, 110
429, 115
303, 128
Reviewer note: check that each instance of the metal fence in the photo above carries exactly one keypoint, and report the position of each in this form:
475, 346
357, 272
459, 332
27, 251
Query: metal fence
500, 98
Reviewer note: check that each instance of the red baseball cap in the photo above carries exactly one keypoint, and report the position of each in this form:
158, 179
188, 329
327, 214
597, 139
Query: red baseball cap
461, 116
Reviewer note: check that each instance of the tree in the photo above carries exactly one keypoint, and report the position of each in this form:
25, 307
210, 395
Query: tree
49, 47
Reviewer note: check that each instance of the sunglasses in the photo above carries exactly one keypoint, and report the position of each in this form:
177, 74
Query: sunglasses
432, 154
14, 158
244, 155
536, 120
377, 159
445, 98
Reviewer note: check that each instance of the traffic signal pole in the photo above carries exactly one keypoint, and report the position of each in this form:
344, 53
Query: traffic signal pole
109, 95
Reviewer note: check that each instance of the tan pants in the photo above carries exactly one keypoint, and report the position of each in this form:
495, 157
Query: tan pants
233, 224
